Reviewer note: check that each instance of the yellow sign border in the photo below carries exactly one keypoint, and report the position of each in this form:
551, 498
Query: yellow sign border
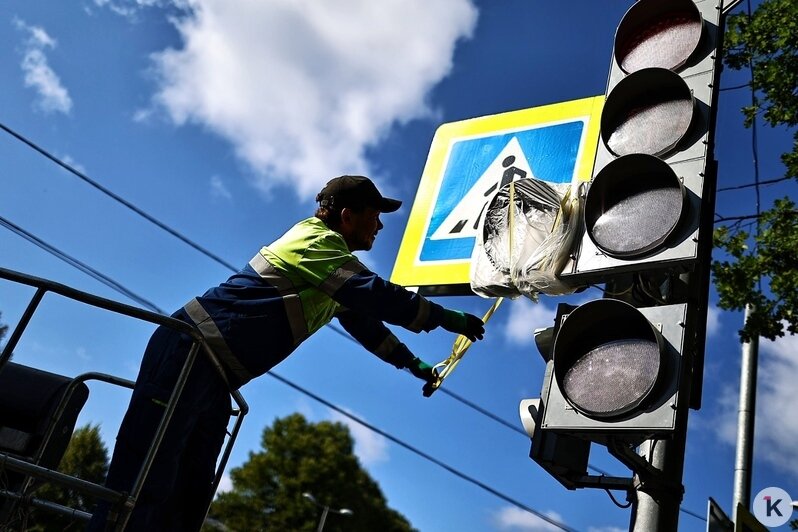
407, 271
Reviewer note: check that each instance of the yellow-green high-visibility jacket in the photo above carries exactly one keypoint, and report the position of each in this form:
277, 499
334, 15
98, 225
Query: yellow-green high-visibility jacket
293, 287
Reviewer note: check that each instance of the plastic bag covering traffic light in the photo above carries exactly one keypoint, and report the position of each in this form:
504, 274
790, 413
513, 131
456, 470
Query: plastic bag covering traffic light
650, 180
615, 372
525, 239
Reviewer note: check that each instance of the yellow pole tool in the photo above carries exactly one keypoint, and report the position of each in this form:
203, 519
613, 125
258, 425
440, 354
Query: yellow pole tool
461, 345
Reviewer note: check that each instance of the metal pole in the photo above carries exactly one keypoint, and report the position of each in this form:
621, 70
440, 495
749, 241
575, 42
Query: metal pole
657, 506
745, 421
323, 519
645, 512
16, 334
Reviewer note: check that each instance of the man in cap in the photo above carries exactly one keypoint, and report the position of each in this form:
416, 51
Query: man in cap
253, 321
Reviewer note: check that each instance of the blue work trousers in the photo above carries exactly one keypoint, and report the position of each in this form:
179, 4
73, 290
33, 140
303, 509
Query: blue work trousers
178, 488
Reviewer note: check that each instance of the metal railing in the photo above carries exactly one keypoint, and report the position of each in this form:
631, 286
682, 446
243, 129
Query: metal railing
122, 502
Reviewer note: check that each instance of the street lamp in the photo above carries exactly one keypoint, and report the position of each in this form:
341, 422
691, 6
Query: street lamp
327, 509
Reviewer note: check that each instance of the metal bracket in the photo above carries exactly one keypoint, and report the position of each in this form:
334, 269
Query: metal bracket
728, 6
647, 477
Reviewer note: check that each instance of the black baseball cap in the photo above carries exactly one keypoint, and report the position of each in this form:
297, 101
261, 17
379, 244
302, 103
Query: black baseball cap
355, 192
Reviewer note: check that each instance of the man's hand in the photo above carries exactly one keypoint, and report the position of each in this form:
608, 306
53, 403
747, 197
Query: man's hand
422, 370
460, 322
425, 372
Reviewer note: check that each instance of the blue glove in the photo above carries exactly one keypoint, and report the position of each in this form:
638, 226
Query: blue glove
460, 322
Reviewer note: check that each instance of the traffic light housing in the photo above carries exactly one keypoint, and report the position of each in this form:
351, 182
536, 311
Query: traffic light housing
615, 372
626, 368
652, 184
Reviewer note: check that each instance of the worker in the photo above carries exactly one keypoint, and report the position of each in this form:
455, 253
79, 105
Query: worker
254, 320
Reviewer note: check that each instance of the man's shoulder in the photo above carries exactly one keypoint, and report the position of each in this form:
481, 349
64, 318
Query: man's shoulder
308, 234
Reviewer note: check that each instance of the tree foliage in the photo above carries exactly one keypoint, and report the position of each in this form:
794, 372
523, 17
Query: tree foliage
86, 458
3, 330
301, 457
761, 269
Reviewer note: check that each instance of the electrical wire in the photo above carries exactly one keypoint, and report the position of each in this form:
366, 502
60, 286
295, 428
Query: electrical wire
424, 455
757, 184
755, 146
182, 238
116, 286
742, 86
230, 267
116, 197
619, 505
79, 265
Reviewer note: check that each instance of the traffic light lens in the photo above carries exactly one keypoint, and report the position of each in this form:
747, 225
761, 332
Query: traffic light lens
634, 205
636, 221
668, 42
649, 112
608, 358
651, 128
658, 33
613, 378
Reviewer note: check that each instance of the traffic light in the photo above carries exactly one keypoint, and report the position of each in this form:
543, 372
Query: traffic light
652, 178
615, 372
625, 368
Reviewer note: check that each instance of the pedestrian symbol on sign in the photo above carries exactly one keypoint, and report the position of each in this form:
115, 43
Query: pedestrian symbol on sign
463, 221
468, 163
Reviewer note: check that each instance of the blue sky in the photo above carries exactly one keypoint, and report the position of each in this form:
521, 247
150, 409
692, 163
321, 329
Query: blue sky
223, 118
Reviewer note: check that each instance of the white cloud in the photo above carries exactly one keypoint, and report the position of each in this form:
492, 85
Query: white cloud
130, 8
525, 317
777, 422
713, 320
73, 163
776, 425
225, 484
83, 354
51, 95
370, 447
512, 518
605, 529
302, 88
219, 189
727, 402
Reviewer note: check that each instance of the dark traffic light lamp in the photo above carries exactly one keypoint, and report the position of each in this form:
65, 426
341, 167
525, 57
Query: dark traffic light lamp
616, 372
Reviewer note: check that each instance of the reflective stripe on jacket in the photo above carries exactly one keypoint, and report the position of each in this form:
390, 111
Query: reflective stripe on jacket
293, 287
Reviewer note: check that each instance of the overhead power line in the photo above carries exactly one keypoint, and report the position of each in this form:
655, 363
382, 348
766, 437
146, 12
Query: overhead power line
230, 267
757, 184
118, 287
72, 261
194, 245
116, 197
424, 455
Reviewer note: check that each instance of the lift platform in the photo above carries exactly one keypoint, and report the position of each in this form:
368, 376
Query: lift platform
35, 431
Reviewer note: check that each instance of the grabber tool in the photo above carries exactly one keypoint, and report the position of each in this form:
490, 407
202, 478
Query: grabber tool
443, 369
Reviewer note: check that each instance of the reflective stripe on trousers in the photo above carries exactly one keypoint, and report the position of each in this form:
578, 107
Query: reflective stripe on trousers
216, 341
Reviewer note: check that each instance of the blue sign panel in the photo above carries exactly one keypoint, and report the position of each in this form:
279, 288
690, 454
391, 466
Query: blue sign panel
477, 167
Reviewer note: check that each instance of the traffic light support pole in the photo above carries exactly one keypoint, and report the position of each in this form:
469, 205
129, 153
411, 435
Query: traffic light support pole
745, 422
659, 497
647, 235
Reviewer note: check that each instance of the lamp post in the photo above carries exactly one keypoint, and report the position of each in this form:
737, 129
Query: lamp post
326, 510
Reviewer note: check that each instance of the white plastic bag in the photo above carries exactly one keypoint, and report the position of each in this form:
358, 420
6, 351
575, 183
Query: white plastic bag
525, 239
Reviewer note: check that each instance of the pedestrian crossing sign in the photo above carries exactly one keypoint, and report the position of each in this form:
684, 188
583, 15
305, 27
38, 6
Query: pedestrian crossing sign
469, 161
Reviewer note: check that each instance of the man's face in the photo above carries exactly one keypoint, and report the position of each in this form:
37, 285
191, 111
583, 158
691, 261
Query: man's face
362, 228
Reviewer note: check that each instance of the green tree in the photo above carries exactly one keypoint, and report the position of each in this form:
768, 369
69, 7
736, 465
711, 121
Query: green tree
3, 331
760, 267
86, 457
298, 457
